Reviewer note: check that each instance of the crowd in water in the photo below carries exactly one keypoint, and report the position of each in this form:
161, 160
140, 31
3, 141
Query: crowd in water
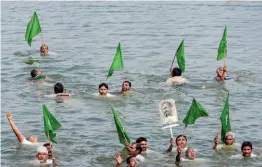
136, 151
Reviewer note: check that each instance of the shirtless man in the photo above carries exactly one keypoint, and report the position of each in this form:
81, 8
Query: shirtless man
176, 77
38, 75
60, 91
126, 87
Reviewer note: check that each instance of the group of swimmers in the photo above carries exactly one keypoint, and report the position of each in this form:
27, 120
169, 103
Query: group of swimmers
138, 149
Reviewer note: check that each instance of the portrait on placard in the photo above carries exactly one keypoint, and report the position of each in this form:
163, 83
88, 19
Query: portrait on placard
168, 113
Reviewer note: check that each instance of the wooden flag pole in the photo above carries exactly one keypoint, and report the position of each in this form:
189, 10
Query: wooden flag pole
42, 38
123, 74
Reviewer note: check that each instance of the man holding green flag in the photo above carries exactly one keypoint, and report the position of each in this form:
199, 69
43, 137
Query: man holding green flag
176, 73
195, 111
122, 134
50, 125
117, 62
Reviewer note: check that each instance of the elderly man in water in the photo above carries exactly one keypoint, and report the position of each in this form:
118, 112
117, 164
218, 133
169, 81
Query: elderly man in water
30, 140
229, 145
44, 50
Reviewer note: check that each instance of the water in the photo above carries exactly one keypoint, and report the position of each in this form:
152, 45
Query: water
82, 38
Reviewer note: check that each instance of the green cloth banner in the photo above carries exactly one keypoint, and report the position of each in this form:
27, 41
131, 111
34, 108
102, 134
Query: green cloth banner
117, 62
122, 134
50, 124
222, 49
225, 120
195, 111
181, 56
33, 29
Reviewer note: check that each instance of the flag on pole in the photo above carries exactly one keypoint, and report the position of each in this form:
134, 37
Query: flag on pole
225, 120
222, 49
122, 134
117, 62
33, 29
50, 124
195, 111
181, 56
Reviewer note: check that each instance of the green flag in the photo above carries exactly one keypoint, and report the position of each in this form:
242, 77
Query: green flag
222, 49
195, 111
180, 56
123, 136
33, 29
50, 124
31, 61
117, 62
225, 121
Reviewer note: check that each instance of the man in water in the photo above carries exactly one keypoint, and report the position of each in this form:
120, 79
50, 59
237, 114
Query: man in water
44, 50
49, 148
135, 149
103, 90
20, 137
176, 77
42, 156
131, 161
221, 73
143, 142
229, 142
190, 155
246, 149
38, 75
181, 142
60, 91
126, 87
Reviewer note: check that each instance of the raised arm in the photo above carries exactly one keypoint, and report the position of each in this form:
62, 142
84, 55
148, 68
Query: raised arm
178, 156
18, 134
119, 160
172, 142
215, 143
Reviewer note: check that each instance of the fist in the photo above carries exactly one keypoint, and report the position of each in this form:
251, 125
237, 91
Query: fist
216, 140
172, 141
9, 115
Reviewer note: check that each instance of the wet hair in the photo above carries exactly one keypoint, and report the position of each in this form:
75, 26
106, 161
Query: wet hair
129, 83
58, 88
42, 47
180, 136
33, 73
47, 144
128, 158
103, 84
176, 72
138, 140
246, 143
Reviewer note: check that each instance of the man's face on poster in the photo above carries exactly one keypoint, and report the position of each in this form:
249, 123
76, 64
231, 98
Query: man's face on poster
167, 109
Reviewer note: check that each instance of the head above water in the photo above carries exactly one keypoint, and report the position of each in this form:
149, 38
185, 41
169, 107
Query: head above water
246, 149
126, 86
181, 140
58, 88
131, 161
190, 153
143, 142
103, 89
229, 138
35, 73
42, 154
44, 49
32, 139
176, 72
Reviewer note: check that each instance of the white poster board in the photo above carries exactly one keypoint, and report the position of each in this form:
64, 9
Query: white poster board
168, 113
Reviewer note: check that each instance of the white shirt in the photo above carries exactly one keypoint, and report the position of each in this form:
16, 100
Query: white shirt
240, 156
235, 146
107, 95
140, 158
